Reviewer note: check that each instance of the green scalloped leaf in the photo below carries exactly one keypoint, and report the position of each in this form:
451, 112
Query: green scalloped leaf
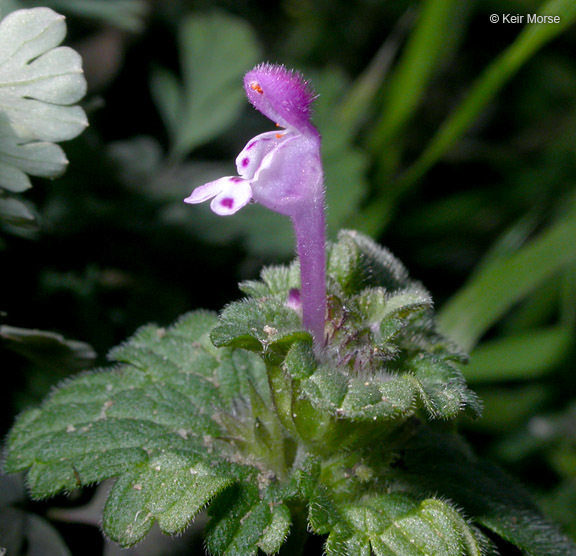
241, 521
275, 534
264, 324
439, 463
357, 262
397, 525
149, 422
432, 384
170, 488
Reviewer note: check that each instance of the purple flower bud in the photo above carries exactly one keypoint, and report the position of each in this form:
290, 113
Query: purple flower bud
282, 170
294, 301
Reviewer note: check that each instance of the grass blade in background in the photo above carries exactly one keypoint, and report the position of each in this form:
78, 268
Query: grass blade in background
533, 37
500, 284
409, 80
524, 356
361, 93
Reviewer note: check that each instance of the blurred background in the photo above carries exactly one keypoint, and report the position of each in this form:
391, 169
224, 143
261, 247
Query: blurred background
450, 139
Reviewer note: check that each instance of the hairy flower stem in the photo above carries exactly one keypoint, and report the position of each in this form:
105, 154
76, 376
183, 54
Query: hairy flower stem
310, 231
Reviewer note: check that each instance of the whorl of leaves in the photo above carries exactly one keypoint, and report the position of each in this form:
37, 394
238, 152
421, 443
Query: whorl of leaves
275, 439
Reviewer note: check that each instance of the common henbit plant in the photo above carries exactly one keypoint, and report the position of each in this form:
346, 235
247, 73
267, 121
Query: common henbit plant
321, 403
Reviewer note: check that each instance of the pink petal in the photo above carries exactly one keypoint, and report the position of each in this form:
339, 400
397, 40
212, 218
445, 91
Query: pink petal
248, 161
208, 190
236, 195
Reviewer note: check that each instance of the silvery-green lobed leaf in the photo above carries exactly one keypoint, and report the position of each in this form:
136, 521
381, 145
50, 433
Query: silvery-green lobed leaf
40, 81
18, 158
14, 212
47, 348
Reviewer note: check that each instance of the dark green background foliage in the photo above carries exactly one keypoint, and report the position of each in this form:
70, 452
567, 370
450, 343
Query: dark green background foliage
449, 139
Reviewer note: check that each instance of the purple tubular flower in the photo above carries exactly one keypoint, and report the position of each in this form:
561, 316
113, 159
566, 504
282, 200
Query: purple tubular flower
282, 170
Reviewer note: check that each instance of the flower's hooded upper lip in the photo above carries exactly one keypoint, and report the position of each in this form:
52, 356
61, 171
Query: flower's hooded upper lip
282, 95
